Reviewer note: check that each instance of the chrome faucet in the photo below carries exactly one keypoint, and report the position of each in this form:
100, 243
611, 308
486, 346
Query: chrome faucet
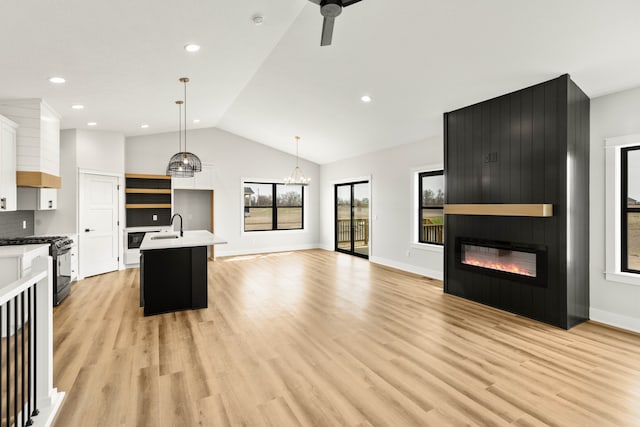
172, 218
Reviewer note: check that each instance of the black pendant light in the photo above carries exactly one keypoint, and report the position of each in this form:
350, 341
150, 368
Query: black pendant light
177, 168
183, 164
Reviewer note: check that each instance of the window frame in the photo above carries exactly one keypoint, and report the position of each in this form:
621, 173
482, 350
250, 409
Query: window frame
274, 206
437, 172
613, 209
625, 209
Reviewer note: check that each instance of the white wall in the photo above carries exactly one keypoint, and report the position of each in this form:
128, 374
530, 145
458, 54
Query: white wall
611, 302
393, 208
100, 151
63, 220
234, 158
79, 149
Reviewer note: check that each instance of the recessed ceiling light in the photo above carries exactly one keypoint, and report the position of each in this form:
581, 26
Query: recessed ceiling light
192, 47
365, 98
144, 126
92, 124
57, 80
196, 120
78, 107
258, 19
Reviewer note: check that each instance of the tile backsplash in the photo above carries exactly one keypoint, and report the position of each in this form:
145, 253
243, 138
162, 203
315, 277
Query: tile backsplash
11, 223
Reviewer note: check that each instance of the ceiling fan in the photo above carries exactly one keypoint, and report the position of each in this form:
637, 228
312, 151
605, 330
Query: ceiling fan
330, 9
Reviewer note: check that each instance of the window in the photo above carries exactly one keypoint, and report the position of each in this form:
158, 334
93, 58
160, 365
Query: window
430, 207
630, 221
622, 209
271, 206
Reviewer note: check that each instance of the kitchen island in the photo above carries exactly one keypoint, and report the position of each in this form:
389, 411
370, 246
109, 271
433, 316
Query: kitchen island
173, 271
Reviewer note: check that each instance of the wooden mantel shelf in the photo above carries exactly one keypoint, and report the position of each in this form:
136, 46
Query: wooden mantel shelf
503, 209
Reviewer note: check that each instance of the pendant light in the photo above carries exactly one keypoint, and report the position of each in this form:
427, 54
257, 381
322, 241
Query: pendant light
297, 177
177, 168
183, 163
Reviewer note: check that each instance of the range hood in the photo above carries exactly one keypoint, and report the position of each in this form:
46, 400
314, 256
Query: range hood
37, 142
37, 179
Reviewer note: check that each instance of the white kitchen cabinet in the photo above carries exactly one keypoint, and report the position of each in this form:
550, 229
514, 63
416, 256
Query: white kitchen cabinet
16, 261
37, 141
37, 199
74, 257
201, 180
8, 195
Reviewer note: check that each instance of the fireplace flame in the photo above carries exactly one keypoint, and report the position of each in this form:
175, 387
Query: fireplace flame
509, 268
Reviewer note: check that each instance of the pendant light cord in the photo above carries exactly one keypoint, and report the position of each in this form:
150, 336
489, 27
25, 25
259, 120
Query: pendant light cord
179, 126
185, 114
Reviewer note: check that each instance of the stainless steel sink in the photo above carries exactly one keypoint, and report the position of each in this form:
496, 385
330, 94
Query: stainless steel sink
170, 236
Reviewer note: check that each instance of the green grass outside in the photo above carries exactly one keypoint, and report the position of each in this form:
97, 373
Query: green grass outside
260, 219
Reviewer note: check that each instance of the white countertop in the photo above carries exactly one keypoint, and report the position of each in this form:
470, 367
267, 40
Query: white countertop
12, 251
191, 238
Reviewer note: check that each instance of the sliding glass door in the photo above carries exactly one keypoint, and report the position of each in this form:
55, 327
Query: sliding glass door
352, 218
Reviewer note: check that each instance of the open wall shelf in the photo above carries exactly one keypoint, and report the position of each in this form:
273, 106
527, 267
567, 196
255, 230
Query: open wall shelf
148, 200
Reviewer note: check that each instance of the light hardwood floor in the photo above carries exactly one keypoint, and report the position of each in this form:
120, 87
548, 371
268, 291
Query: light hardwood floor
317, 338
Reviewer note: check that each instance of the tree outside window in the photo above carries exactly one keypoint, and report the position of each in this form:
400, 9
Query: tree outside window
264, 212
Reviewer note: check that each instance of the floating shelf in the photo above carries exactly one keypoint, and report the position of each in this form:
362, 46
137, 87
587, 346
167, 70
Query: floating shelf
148, 206
148, 191
532, 210
146, 176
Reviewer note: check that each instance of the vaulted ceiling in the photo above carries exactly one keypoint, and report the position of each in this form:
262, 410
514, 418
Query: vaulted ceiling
415, 58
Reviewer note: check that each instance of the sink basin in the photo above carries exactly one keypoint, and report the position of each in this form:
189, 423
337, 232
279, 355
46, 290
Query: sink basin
167, 236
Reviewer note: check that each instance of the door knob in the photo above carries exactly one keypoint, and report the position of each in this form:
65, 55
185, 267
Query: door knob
86, 230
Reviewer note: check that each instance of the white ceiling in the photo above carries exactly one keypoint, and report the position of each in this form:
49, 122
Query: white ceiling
416, 58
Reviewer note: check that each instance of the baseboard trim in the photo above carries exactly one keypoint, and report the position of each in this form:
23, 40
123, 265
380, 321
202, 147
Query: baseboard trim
49, 410
615, 319
433, 274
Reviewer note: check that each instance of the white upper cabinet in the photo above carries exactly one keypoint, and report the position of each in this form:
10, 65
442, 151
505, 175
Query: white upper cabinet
8, 196
38, 141
37, 199
201, 180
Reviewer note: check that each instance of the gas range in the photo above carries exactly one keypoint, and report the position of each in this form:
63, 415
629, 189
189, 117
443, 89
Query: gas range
58, 243
59, 249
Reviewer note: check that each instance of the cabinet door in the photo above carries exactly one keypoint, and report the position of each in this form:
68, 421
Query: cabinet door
8, 195
47, 199
74, 262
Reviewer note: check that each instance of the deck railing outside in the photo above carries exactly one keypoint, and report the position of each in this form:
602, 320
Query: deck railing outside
360, 230
433, 233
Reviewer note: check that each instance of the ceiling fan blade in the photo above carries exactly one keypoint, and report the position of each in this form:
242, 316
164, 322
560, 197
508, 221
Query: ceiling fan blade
315, 1
327, 31
346, 3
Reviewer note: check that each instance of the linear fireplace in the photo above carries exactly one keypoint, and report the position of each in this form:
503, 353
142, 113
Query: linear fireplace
527, 263
516, 170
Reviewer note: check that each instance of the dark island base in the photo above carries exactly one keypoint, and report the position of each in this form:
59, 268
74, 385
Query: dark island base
173, 279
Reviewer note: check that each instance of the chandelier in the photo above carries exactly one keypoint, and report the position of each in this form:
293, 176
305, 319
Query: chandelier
297, 176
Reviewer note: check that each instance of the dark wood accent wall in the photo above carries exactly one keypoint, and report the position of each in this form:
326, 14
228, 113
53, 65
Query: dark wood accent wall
529, 146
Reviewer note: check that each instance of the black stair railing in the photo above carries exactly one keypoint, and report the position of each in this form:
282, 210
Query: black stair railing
18, 355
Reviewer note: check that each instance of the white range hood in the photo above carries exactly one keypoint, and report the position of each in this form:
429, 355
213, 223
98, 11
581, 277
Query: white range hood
37, 142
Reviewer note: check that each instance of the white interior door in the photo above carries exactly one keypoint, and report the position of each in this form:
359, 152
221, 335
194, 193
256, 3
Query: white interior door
98, 218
